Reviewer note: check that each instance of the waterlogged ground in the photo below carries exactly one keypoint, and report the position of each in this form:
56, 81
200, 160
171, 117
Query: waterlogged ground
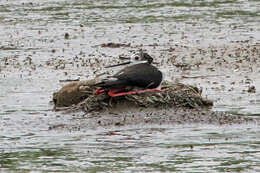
212, 44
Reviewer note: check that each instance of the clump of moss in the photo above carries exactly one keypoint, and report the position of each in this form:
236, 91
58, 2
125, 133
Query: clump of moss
174, 94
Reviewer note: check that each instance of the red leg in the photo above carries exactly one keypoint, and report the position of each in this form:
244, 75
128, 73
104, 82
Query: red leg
99, 91
112, 94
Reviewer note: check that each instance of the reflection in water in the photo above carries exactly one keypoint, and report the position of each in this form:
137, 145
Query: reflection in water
35, 56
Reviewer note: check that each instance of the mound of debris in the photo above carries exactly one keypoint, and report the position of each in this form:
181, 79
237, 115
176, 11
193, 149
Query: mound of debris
81, 96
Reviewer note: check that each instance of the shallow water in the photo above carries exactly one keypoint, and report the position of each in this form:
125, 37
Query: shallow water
35, 55
135, 149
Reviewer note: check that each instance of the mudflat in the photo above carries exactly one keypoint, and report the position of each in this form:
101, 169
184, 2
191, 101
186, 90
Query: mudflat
211, 44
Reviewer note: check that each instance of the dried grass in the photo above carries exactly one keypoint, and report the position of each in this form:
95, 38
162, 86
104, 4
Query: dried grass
81, 96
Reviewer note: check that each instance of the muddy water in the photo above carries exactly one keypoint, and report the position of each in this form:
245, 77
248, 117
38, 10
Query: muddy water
212, 44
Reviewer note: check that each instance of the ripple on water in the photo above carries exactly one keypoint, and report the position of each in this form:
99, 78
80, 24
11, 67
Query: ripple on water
204, 148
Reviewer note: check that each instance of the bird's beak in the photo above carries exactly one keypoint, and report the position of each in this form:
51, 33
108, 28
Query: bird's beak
124, 63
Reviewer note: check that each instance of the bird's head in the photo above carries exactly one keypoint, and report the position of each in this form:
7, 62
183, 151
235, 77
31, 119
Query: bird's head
141, 57
137, 58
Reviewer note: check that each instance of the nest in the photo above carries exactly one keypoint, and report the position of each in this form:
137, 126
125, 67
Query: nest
81, 96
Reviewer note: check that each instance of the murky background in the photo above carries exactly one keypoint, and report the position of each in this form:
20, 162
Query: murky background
214, 44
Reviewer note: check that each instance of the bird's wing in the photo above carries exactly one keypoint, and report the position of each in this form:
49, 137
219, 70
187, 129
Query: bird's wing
139, 75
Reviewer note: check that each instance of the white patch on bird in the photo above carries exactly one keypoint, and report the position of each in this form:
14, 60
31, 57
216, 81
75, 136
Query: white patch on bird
159, 87
113, 78
136, 59
163, 77
120, 73
137, 62
110, 79
163, 73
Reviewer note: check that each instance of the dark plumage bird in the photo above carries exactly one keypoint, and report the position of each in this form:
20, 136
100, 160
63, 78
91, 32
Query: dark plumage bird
139, 73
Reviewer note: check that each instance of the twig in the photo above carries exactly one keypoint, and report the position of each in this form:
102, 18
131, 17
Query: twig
200, 76
69, 80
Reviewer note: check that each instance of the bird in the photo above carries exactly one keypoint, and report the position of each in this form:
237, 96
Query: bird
139, 73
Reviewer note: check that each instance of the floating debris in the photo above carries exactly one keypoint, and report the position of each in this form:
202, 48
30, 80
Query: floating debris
66, 36
115, 45
251, 89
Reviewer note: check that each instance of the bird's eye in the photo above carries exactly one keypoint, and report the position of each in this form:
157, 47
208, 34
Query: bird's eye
136, 57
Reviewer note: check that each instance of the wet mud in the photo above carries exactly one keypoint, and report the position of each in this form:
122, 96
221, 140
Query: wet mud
125, 115
177, 104
213, 45
220, 71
